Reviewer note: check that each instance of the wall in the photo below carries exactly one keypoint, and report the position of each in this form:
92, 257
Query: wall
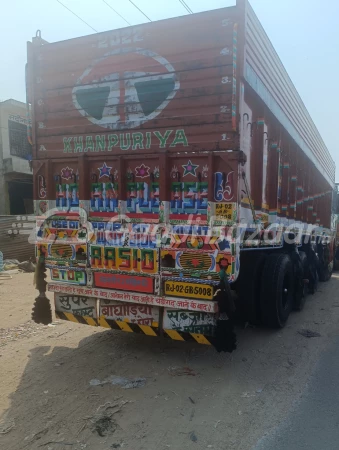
16, 112
11, 167
16, 245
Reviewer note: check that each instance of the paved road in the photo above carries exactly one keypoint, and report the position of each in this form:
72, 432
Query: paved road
314, 424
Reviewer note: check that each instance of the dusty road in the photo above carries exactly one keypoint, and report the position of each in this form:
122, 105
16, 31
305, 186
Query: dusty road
193, 397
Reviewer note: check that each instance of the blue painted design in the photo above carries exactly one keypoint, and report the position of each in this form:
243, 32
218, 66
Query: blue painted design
104, 197
104, 170
189, 197
143, 198
67, 195
223, 188
224, 245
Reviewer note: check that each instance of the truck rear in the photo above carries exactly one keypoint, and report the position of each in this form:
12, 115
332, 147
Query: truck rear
166, 181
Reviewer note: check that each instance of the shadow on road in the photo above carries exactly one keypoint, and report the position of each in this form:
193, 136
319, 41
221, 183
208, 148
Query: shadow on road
186, 385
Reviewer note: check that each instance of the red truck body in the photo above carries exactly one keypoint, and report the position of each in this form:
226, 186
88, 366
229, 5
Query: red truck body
167, 135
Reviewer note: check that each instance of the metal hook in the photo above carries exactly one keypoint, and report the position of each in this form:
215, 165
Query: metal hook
43, 182
245, 114
252, 125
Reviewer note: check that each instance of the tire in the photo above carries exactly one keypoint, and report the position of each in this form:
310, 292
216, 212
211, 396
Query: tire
313, 271
336, 258
300, 288
277, 290
325, 273
326, 268
249, 284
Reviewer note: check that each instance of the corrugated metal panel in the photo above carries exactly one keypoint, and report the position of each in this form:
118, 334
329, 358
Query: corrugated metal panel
16, 245
138, 90
267, 76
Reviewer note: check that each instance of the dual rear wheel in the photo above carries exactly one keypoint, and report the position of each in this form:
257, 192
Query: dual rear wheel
270, 286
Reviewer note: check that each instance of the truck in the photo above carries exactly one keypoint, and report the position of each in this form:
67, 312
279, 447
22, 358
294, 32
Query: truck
180, 184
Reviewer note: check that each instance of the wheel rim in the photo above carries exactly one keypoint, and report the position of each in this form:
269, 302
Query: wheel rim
285, 292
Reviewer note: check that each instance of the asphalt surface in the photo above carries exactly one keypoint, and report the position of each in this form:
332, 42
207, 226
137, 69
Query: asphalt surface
314, 422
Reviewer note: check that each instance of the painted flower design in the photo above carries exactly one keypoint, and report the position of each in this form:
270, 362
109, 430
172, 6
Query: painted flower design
195, 262
66, 173
156, 172
142, 171
174, 172
205, 171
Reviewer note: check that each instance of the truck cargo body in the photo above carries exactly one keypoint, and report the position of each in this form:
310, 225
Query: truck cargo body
170, 159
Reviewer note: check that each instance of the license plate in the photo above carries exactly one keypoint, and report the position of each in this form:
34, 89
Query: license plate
225, 211
190, 290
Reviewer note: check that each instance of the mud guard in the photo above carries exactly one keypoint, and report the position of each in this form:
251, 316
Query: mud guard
41, 312
225, 338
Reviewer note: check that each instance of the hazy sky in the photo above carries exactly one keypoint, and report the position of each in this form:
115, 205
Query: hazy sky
305, 34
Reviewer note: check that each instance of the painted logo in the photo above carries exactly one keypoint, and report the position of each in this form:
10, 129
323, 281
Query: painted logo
223, 186
125, 88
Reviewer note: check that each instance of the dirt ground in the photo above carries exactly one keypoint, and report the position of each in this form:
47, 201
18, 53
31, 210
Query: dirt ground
191, 398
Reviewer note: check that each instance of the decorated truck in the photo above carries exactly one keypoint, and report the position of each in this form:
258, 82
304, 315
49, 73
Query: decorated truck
180, 184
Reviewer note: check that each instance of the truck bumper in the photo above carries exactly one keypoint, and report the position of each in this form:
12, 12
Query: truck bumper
176, 319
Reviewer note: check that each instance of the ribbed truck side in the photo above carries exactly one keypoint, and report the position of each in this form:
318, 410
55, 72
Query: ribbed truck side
278, 134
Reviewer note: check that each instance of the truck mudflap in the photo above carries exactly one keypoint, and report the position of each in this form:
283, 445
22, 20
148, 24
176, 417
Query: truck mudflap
206, 328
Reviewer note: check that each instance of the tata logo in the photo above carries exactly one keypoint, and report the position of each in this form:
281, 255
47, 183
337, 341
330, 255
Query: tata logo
125, 88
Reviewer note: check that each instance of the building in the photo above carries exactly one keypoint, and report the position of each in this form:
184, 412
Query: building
16, 179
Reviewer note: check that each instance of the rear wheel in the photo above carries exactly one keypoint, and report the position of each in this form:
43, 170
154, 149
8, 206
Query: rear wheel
249, 282
277, 289
313, 271
301, 288
326, 267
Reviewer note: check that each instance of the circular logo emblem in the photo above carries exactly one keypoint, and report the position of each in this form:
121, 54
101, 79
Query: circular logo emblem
125, 88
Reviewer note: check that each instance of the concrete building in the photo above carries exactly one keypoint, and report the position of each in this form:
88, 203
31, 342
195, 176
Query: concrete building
16, 179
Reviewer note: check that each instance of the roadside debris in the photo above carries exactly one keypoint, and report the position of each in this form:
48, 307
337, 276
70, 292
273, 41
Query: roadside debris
14, 266
19, 332
180, 371
193, 437
247, 395
125, 383
217, 423
309, 333
192, 401
27, 266
102, 422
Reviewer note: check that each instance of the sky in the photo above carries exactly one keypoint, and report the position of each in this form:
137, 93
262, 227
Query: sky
305, 34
